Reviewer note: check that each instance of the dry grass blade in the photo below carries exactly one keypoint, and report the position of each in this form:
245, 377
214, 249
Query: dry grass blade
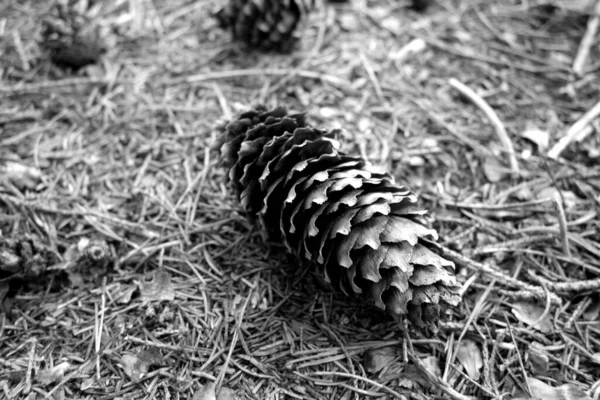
494, 119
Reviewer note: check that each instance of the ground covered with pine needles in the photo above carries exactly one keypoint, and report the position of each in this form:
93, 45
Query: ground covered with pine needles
191, 303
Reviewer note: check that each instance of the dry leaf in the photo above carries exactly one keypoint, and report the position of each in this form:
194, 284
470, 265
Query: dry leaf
540, 137
570, 198
375, 360
52, 374
470, 357
530, 314
87, 383
226, 394
542, 391
538, 358
159, 288
206, 392
136, 366
412, 374
133, 367
151, 356
126, 294
493, 170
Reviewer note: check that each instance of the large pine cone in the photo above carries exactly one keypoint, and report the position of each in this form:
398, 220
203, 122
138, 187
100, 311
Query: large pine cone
264, 24
71, 37
363, 230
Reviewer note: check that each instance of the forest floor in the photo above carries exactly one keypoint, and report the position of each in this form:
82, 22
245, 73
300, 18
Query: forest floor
191, 303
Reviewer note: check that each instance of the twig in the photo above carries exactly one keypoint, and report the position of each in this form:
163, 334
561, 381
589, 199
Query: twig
579, 287
222, 101
436, 380
372, 76
494, 119
351, 376
234, 340
324, 16
485, 269
562, 224
237, 73
574, 131
587, 41
38, 86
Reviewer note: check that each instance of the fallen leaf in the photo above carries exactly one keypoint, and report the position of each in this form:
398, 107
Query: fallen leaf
530, 314
374, 360
136, 365
159, 288
52, 374
133, 367
412, 375
470, 357
87, 383
538, 358
226, 394
151, 356
570, 198
493, 170
126, 294
539, 137
206, 392
542, 391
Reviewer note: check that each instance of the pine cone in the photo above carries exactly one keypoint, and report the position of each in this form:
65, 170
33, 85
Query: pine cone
364, 231
25, 256
264, 24
71, 37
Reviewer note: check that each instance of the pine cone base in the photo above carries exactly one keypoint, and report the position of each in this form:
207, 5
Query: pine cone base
364, 232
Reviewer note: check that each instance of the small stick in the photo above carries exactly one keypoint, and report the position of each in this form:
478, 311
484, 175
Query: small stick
222, 101
562, 224
485, 269
234, 340
587, 41
372, 76
493, 117
577, 287
21, 51
574, 131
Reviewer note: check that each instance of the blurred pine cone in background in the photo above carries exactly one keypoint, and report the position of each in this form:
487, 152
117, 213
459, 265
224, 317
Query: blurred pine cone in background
264, 24
25, 256
72, 36
364, 231
420, 5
